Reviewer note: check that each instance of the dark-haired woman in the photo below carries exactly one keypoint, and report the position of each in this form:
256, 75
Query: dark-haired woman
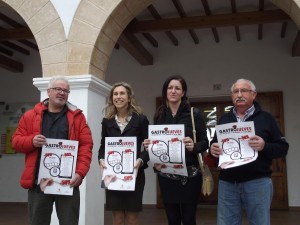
180, 194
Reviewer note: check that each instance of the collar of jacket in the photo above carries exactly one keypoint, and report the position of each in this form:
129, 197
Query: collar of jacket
70, 106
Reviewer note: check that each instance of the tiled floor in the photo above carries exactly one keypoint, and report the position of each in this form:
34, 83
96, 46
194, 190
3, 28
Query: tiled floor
16, 214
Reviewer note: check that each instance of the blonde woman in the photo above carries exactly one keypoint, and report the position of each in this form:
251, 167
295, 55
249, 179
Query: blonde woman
125, 118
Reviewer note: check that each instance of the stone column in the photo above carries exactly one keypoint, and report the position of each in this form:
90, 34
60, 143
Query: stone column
89, 94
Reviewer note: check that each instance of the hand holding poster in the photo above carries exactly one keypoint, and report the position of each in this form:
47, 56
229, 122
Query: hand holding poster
57, 166
167, 148
120, 159
233, 140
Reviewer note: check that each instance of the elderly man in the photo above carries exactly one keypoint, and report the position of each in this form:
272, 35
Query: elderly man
249, 186
54, 118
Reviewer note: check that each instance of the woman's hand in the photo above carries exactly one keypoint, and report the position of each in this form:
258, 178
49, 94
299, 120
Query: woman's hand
139, 163
102, 166
189, 143
158, 166
215, 150
146, 144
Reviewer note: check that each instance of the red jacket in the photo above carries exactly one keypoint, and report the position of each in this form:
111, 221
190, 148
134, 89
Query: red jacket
30, 125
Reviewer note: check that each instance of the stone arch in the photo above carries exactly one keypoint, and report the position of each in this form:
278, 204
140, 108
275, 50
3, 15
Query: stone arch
117, 14
95, 29
291, 7
47, 28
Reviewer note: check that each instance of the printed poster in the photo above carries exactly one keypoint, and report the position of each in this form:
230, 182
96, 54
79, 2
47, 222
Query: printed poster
233, 139
120, 159
167, 148
57, 166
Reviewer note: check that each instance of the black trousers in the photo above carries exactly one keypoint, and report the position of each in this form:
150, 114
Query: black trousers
40, 207
181, 213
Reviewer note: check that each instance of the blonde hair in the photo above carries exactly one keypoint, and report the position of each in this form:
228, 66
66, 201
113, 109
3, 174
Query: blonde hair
110, 109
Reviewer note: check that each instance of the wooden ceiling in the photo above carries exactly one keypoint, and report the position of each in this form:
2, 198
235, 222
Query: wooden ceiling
16, 40
193, 16
165, 17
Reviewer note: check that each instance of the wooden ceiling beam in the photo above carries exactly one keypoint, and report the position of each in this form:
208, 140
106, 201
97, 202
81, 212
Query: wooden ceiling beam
157, 17
9, 21
208, 13
29, 44
182, 14
15, 47
15, 24
261, 7
15, 34
6, 51
236, 28
149, 37
296, 46
219, 20
283, 29
11, 65
129, 42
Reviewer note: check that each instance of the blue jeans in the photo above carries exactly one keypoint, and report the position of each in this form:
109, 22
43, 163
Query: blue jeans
254, 196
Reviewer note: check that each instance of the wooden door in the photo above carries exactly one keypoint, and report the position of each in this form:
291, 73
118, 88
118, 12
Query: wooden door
271, 102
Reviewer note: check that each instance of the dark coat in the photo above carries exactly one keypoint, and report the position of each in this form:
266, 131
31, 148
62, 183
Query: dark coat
275, 146
173, 191
137, 126
183, 116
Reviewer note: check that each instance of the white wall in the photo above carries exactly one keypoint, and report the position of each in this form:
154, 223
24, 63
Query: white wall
268, 63
16, 89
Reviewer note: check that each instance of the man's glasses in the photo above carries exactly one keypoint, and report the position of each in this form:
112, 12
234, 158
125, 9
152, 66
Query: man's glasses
59, 90
242, 91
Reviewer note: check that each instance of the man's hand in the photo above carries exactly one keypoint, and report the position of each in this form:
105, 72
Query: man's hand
76, 181
39, 140
256, 143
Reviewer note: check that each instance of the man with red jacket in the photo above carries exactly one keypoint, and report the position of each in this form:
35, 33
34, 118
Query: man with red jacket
55, 118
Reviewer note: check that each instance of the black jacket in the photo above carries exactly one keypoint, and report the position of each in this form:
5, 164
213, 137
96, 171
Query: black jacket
137, 126
183, 116
275, 147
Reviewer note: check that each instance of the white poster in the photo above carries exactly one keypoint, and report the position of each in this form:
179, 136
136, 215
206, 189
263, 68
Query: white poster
233, 138
167, 148
120, 159
57, 166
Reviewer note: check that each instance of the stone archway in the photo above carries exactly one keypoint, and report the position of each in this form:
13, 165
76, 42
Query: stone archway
115, 16
103, 29
47, 28
291, 7
95, 28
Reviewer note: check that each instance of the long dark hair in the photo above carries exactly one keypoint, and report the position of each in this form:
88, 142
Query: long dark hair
159, 114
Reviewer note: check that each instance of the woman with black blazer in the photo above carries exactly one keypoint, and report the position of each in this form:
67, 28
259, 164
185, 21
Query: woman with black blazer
125, 118
180, 194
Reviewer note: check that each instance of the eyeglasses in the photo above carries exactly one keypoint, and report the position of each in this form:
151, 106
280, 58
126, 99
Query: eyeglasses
59, 90
242, 91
